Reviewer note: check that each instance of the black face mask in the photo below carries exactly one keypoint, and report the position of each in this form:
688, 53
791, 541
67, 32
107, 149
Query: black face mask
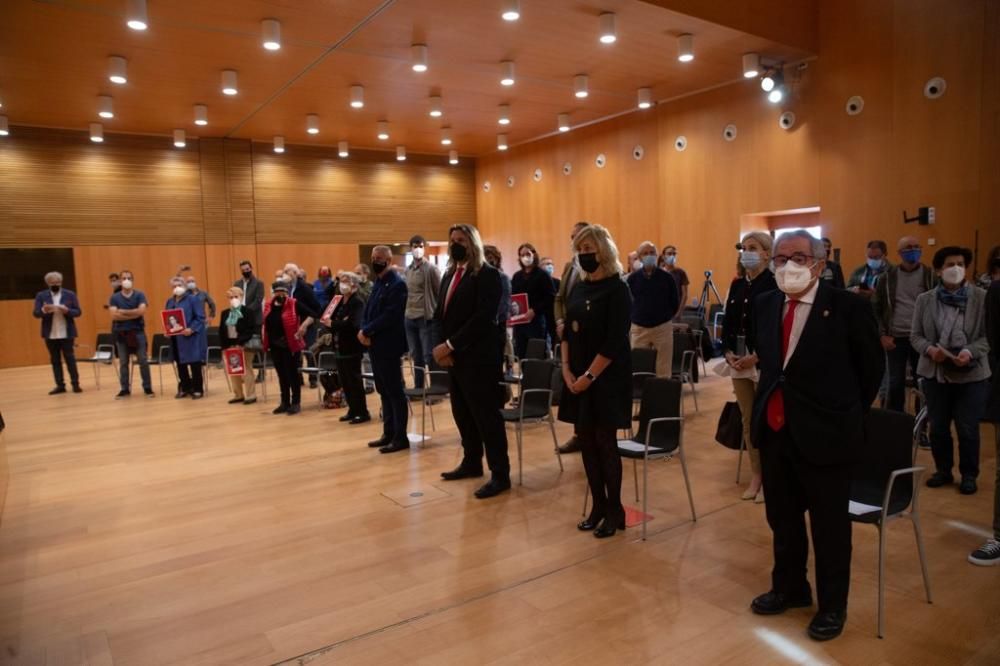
458, 252
279, 300
378, 267
247, 274
588, 261
54, 288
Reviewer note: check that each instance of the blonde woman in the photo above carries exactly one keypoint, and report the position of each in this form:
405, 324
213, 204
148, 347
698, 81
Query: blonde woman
597, 371
236, 327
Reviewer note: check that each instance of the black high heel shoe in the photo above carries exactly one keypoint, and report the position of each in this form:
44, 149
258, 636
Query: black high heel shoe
591, 523
609, 526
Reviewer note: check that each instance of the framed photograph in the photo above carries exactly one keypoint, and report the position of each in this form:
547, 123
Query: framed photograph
518, 310
334, 302
173, 321
235, 361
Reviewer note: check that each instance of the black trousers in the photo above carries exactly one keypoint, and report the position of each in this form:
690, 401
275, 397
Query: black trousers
476, 399
58, 350
395, 411
349, 369
897, 360
793, 486
190, 378
603, 464
286, 366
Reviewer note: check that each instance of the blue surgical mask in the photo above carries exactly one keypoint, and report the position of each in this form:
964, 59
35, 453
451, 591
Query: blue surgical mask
670, 259
649, 261
750, 260
874, 264
550, 269
911, 256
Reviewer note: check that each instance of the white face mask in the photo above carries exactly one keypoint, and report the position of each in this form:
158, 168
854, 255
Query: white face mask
126, 284
953, 275
527, 260
191, 285
179, 291
417, 252
636, 265
235, 302
345, 288
792, 278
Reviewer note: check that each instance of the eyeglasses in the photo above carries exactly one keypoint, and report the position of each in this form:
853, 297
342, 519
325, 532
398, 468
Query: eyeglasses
797, 258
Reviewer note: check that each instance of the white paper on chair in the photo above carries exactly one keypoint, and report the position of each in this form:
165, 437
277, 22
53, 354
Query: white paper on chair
860, 508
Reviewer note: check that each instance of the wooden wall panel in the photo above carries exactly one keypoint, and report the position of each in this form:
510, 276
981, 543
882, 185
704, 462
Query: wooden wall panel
239, 181
214, 191
20, 335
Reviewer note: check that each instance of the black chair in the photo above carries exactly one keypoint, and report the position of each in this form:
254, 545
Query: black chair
534, 406
643, 367
160, 354
536, 349
213, 355
104, 354
684, 367
322, 366
263, 362
437, 387
885, 486
660, 436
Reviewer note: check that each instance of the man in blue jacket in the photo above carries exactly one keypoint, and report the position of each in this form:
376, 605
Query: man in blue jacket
383, 332
58, 308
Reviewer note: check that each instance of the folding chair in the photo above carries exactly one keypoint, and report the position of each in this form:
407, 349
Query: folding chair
534, 406
437, 386
104, 354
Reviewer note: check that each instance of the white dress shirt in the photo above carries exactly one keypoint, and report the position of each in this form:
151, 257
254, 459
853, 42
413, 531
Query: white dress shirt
58, 330
802, 311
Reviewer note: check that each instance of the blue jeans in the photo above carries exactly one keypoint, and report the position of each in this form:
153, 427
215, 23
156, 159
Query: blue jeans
420, 340
963, 403
140, 355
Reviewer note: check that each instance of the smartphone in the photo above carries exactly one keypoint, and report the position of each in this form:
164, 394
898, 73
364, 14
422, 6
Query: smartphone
741, 345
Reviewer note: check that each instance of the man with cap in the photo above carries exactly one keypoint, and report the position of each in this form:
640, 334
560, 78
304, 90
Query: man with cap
423, 280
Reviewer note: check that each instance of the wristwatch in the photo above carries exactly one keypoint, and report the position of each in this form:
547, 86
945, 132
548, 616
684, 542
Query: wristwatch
589, 375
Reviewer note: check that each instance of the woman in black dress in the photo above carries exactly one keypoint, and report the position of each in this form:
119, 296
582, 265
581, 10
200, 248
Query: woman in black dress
537, 284
597, 371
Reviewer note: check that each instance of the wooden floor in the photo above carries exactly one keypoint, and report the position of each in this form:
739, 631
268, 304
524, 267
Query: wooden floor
177, 532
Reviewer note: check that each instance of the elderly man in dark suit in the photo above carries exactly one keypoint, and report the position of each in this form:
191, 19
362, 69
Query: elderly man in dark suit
821, 364
58, 309
252, 300
383, 332
470, 348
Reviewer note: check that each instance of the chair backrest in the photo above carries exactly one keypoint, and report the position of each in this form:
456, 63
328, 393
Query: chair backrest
105, 339
327, 360
661, 397
439, 379
888, 447
537, 349
536, 374
644, 359
682, 342
212, 336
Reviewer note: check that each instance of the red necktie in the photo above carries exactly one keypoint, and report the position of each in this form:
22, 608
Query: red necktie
454, 283
776, 403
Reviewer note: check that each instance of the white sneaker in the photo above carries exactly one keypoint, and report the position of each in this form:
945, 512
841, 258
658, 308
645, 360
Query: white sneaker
987, 555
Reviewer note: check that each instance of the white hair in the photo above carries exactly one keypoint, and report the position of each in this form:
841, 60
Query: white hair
647, 244
53, 275
291, 267
815, 244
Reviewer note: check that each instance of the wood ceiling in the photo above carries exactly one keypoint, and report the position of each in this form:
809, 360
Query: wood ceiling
54, 63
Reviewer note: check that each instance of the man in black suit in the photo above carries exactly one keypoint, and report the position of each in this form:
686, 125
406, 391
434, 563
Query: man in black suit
470, 348
821, 364
253, 300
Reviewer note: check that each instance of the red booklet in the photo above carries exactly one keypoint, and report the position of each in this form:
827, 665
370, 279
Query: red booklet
173, 321
518, 310
334, 302
235, 361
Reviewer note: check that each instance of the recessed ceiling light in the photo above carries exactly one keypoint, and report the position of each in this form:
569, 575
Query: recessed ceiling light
270, 34
504, 118
609, 34
117, 70
279, 144
685, 47
200, 114
357, 97
507, 73
418, 54
135, 15
104, 107
96, 132
445, 136
751, 65
342, 149
4, 127
563, 122
383, 130
312, 123
180, 138
400, 153
776, 95
580, 86
501, 142
452, 157
436, 111
645, 98
229, 86
511, 10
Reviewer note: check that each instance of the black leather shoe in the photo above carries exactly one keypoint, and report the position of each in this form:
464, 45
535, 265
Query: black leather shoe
379, 443
280, 409
462, 473
197, 395
609, 526
591, 523
181, 394
968, 485
57, 390
492, 488
77, 389
572, 446
825, 626
394, 446
938, 479
294, 409
234, 401
345, 418
355, 420
775, 603
249, 401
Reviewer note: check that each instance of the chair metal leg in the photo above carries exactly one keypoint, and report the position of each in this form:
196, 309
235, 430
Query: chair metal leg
694, 391
645, 495
423, 421
881, 577
159, 366
739, 460
433, 425
555, 443
635, 477
520, 457
915, 519
687, 482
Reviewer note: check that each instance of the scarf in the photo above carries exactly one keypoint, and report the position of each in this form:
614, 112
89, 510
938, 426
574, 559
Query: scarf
235, 314
956, 299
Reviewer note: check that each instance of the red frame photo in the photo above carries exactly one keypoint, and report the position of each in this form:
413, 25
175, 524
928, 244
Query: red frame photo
334, 302
180, 324
235, 360
518, 305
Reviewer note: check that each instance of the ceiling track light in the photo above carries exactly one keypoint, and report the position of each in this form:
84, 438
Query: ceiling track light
581, 86
400, 153
504, 118
563, 122
751, 65
501, 142
180, 138
117, 70
452, 157
104, 107
342, 149
445, 136
357, 97
229, 82
270, 34
645, 98
773, 84
507, 73
200, 115
4, 126
312, 123
135, 15
279, 144
609, 33
383, 130
685, 47
511, 10
777, 95
436, 110
96, 132
418, 54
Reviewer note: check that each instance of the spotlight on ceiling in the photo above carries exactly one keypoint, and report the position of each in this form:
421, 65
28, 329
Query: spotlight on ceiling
279, 144
452, 157
382, 130
117, 70
400, 153
357, 97
777, 94
104, 107
609, 34
135, 15
504, 117
436, 110
180, 138
645, 98
96, 132
312, 123
501, 142
751, 65
685, 47
580, 86
270, 34
445, 136
4, 126
418, 55
507, 73
511, 10
342, 149
200, 114
563, 122
229, 86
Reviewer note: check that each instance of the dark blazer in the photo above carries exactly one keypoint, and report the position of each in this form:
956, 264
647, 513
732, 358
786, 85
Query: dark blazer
345, 322
384, 316
254, 293
245, 328
69, 299
470, 321
738, 319
305, 298
830, 380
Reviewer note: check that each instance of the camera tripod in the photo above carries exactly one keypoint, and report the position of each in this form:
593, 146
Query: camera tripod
706, 290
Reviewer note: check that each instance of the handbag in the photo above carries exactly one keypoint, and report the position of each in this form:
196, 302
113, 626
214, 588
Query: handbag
254, 344
729, 432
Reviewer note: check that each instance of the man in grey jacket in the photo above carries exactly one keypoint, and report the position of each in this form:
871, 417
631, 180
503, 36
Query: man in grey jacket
423, 280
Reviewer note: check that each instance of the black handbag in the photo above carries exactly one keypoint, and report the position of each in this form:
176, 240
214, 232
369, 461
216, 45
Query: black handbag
729, 432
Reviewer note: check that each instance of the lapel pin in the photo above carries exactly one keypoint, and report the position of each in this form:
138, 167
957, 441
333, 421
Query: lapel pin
826, 313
